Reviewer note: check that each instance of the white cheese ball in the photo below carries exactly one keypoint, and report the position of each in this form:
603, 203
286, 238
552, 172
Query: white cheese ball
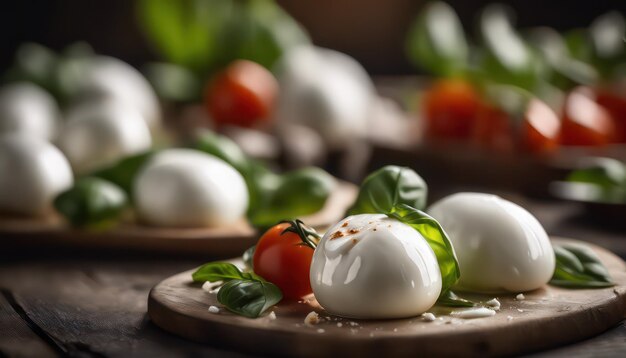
372, 266
110, 78
500, 246
188, 188
33, 171
327, 91
27, 108
99, 133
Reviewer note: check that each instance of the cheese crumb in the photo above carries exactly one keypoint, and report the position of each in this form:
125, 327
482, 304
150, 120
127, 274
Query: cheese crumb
214, 309
520, 297
520, 310
207, 286
272, 315
312, 318
321, 330
339, 324
493, 304
428, 317
509, 318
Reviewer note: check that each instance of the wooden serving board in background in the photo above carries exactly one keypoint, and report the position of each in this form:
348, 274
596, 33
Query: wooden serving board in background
52, 232
547, 317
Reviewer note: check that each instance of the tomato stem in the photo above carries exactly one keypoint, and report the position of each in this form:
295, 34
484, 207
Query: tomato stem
307, 234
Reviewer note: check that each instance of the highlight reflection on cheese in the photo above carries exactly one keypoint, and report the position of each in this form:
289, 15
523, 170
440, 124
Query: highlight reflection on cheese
500, 246
373, 266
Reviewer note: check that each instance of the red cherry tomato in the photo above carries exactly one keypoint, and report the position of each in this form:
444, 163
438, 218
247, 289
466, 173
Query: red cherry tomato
282, 259
541, 128
450, 109
585, 122
615, 104
242, 95
494, 130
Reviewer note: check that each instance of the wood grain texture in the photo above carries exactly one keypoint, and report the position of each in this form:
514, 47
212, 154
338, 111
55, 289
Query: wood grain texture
222, 241
546, 318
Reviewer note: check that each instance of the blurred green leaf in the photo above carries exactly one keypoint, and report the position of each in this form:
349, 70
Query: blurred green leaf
608, 43
174, 82
608, 174
436, 40
577, 266
123, 173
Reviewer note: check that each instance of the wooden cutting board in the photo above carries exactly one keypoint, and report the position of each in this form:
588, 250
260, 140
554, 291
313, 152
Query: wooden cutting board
52, 232
547, 317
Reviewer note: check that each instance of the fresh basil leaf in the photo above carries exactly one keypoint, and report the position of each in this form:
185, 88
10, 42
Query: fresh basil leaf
223, 148
174, 82
578, 266
436, 237
608, 174
249, 298
450, 299
92, 203
436, 40
248, 257
389, 187
123, 173
217, 271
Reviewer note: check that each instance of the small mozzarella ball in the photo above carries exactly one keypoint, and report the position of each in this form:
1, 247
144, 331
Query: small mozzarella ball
500, 246
99, 133
372, 266
27, 108
110, 78
188, 188
33, 171
327, 91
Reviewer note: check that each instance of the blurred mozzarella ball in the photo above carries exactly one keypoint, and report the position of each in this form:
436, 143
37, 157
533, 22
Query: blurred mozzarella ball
371, 266
325, 90
188, 188
500, 246
99, 133
27, 108
33, 171
104, 77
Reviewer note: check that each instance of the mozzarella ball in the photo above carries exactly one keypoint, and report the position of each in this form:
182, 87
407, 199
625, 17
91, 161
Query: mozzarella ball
27, 108
327, 91
373, 266
33, 171
188, 188
500, 246
99, 133
106, 77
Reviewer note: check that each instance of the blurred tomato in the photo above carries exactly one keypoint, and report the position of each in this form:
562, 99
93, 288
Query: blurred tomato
585, 122
494, 130
541, 129
615, 104
242, 95
451, 109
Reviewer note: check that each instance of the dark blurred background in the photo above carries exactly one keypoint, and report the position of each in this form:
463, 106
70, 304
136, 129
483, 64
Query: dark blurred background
370, 30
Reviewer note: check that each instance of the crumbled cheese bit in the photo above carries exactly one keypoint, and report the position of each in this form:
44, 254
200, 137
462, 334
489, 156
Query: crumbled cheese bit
321, 330
395, 330
371, 334
353, 324
272, 316
494, 304
207, 286
520, 297
214, 309
339, 324
428, 317
312, 318
509, 318
520, 310
473, 313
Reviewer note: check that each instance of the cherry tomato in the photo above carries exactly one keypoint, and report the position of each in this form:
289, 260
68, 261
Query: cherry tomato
541, 129
615, 104
242, 95
585, 123
450, 109
282, 258
494, 130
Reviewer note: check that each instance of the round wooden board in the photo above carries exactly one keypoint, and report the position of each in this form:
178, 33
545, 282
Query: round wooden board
52, 232
547, 317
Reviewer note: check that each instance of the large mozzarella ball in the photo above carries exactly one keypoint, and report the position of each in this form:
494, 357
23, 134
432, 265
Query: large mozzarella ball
500, 246
33, 171
27, 108
110, 78
373, 266
99, 133
327, 91
188, 188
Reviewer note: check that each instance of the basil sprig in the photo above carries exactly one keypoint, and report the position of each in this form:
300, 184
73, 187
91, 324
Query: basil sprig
243, 293
579, 267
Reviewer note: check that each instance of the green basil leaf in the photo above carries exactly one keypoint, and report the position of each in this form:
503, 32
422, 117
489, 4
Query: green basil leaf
450, 299
174, 82
436, 237
249, 298
217, 271
607, 174
223, 148
577, 266
436, 40
389, 187
93, 203
123, 173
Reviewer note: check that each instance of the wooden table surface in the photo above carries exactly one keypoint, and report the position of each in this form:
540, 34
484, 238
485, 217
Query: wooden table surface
94, 305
